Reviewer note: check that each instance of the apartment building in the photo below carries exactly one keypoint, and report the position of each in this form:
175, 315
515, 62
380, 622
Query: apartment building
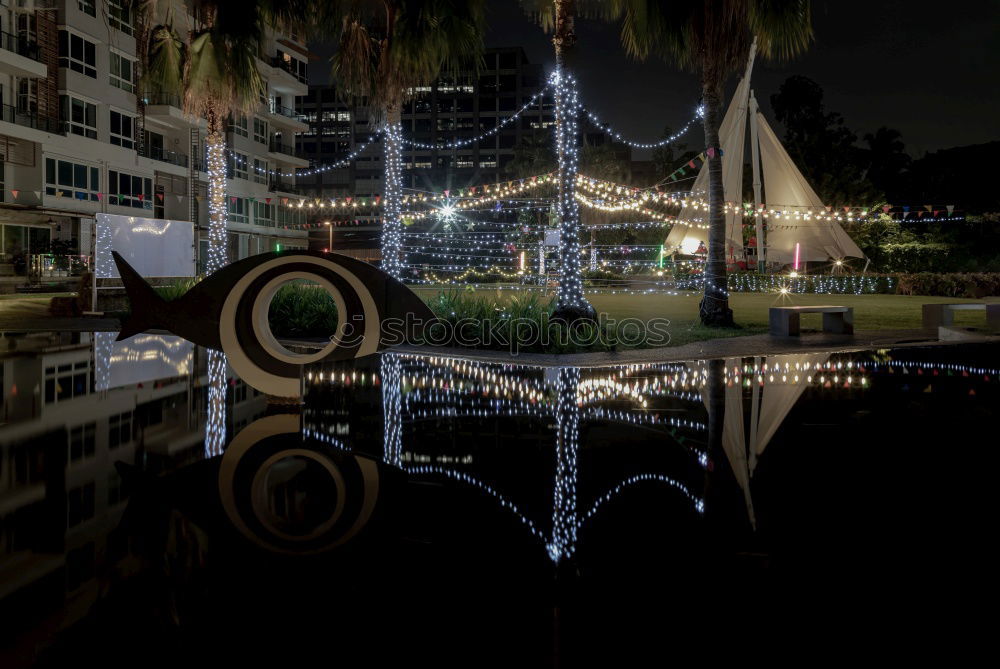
77, 138
455, 107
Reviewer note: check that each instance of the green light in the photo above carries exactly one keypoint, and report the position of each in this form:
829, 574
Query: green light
277, 247
661, 256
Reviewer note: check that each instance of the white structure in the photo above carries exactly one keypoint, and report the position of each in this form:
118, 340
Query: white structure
76, 141
805, 232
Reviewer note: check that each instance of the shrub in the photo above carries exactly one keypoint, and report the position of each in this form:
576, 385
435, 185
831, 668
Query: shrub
971, 285
302, 310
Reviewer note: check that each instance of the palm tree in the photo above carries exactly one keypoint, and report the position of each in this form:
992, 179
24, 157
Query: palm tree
713, 38
207, 58
559, 16
386, 50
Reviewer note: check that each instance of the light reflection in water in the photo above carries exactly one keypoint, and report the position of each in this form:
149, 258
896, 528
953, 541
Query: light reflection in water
215, 424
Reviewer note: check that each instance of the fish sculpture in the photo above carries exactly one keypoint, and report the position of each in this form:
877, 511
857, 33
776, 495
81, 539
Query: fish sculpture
228, 311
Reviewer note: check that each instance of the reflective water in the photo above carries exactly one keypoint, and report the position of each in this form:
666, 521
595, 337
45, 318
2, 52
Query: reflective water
154, 508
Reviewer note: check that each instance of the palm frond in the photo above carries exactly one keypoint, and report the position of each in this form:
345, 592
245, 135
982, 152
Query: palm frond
164, 62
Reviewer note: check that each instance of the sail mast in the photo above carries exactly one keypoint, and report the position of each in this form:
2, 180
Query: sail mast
757, 200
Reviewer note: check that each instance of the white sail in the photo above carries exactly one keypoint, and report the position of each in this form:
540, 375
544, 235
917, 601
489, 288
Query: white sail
786, 190
691, 227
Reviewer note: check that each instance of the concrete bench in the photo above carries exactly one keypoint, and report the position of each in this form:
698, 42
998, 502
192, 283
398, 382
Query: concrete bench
785, 320
936, 315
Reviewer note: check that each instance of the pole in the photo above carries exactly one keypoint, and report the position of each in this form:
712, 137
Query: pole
757, 200
329, 246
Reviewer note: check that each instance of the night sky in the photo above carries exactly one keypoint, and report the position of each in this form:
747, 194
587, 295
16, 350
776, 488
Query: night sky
928, 69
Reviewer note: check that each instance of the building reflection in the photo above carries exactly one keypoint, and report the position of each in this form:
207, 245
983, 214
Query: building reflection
74, 404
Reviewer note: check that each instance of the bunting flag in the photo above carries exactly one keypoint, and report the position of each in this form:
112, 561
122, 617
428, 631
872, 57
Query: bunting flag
447, 192
886, 208
15, 193
950, 208
267, 200
284, 200
141, 197
160, 196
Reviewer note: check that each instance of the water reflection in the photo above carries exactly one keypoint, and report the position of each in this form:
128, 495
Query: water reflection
577, 466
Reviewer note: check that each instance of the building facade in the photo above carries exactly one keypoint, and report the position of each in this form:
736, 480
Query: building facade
452, 109
78, 138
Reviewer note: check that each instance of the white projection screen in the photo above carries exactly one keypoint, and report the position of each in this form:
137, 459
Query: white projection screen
155, 247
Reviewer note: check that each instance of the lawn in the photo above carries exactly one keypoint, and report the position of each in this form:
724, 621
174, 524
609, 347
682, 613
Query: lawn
871, 312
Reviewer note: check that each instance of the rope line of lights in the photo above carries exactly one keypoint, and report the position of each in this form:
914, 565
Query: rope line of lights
617, 136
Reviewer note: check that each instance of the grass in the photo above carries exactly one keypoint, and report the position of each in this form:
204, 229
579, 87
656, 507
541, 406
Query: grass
750, 310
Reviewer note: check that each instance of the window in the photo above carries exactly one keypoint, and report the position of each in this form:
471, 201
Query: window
87, 7
127, 190
297, 68
79, 505
77, 54
122, 130
122, 72
259, 171
240, 162
488, 160
264, 214
81, 182
238, 210
119, 429
238, 126
464, 161
79, 116
82, 441
120, 15
117, 490
260, 131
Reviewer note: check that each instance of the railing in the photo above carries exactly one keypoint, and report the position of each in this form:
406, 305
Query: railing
172, 157
19, 45
283, 186
286, 112
281, 63
277, 147
168, 99
32, 120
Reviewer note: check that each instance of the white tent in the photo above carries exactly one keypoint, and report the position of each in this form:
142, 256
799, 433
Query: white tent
785, 190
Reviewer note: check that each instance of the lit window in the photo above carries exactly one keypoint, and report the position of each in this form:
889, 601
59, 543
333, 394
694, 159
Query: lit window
240, 163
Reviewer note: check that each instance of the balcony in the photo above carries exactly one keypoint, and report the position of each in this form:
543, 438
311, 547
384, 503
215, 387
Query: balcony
289, 67
19, 56
288, 118
32, 120
164, 156
277, 185
275, 146
165, 99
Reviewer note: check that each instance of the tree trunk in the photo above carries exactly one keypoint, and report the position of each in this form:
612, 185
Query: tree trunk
392, 233
571, 305
215, 146
714, 308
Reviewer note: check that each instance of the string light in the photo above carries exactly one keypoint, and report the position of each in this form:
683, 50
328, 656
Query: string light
392, 240
218, 249
644, 145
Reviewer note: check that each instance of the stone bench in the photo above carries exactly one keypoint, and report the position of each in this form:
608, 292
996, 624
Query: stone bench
785, 320
936, 315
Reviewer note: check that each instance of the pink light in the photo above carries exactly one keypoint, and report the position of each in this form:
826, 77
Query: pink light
796, 256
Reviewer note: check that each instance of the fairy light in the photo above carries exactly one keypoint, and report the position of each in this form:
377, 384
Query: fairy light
392, 240
215, 424
218, 249
607, 129
571, 294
